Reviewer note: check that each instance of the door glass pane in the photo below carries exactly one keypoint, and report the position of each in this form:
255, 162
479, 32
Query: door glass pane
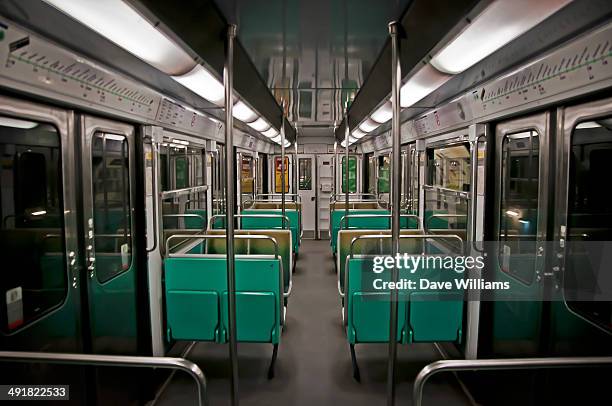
32, 231
384, 173
590, 219
247, 179
449, 167
372, 174
305, 173
278, 172
519, 204
111, 204
352, 175
181, 172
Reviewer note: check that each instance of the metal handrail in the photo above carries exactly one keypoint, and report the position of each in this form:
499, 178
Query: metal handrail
403, 236
333, 197
220, 237
496, 364
445, 190
349, 216
183, 191
444, 216
114, 360
284, 218
298, 198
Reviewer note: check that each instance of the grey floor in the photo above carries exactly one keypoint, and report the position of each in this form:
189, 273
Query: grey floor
314, 363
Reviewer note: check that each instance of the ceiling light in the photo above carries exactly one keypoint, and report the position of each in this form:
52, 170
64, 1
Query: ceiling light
259, 125
383, 114
121, 24
277, 139
287, 143
201, 82
180, 141
369, 125
501, 22
357, 133
270, 133
243, 113
587, 124
421, 84
39, 213
16, 123
114, 137
512, 213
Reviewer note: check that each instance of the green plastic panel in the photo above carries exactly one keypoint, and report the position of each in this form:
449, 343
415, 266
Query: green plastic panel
193, 315
261, 223
371, 223
255, 317
435, 317
195, 222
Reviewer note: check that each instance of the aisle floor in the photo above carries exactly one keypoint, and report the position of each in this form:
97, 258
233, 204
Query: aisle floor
314, 363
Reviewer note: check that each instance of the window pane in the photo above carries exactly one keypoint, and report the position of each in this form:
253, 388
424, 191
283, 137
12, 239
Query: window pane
590, 218
519, 204
247, 179
111, 195
384, 173
371, 175
352, 175
305, 173
449, 167
32, 230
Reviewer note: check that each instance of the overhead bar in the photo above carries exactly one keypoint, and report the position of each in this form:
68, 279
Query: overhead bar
228, 79
396, 198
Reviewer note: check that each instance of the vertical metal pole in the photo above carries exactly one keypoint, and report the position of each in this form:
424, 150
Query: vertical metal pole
295, 166
230, 157
396, 77
346, 162
283, 167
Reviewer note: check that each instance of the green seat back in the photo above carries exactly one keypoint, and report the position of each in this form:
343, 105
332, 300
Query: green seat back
196, 298
371, 223
263, 223
196, 222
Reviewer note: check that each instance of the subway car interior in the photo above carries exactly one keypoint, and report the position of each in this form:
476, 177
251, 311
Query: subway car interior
305, 202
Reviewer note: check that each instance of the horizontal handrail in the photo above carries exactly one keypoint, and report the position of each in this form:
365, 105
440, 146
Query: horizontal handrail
333, 198
350, 216
180, 364
405, 236
221, 237
295, 196
446, 190
284, 218
184, 191
500, 364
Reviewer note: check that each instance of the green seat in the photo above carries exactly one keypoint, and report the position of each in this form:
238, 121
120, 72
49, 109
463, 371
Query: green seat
196, 222
268, 223
370, 223
196, 298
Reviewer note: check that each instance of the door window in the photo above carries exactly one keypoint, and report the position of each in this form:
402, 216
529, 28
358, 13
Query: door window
520, 177
352, 174
305, 173
111, 205
587, 270
34, 277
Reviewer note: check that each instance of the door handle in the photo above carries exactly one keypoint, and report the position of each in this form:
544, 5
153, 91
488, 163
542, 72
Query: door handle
313, 198
72, 263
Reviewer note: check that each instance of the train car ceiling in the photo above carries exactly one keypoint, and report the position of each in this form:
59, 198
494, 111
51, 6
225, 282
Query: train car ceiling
462, 57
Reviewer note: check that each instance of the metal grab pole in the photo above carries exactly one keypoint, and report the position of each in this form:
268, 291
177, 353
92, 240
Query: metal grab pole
180, 364
346, 159
500, 364
283, 166
231, 207
396, 77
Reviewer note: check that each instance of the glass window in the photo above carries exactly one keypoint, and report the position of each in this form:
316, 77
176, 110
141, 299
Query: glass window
371, 174
449, 167
384, 173
32, 231
247, 179
279, 173
352, 175
519, 204
589, 218
305, 173
111, 203
181, 172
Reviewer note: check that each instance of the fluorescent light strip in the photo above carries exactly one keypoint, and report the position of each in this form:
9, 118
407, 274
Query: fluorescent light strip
512, 213
421, 84
500, 23
369, 125
358, 134
121, 24
201, 82
277, 139
259, 125
383, 114
243, 112
270, 133
16, 123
